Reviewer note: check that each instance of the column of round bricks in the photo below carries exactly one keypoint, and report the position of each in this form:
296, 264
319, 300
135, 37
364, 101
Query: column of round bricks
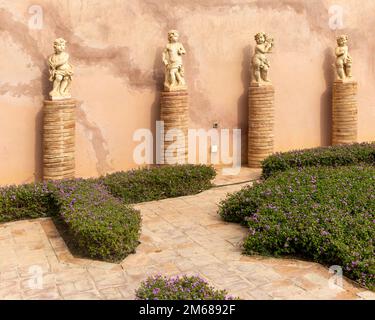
58, 139
261, 124
344, 113
174, 112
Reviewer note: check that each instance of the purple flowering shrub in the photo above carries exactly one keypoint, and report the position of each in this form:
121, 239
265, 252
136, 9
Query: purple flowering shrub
323, 214
26, 201
102, 226
343, 155
160, 182
179, 288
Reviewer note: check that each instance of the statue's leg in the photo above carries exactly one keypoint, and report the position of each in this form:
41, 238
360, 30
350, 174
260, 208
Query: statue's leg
166, 80
180, 79
56, 86
340, 69
348, 70
64, 85
257, 77
341, 72
264, 73
172, 77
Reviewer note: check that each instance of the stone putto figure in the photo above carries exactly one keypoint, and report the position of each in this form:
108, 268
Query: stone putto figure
60, 70
260, 61
343, 59
172, 59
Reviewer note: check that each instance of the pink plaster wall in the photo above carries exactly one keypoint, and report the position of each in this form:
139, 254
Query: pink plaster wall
115, 46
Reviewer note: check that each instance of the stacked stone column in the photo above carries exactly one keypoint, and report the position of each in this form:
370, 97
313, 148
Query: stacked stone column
344, 112
175, 115
58, 139
261, 123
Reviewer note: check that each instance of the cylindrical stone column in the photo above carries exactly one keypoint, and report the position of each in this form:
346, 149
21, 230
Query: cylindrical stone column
58, 139
174, 112
344, 112
261, 123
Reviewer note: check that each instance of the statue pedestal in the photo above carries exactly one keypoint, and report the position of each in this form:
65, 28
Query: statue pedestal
261, 123
174, 112
58, 139
344, 112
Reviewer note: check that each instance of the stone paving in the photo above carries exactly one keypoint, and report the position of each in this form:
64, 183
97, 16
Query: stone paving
179, 236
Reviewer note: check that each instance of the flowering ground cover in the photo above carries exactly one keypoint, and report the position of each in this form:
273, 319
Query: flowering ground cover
179, 288
158, 183
325, 214
358, 153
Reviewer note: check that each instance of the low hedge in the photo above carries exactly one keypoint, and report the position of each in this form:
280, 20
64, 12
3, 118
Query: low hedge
25, 202
160, 182
179, 288
102, 226
363, 153
324, 214
95, 213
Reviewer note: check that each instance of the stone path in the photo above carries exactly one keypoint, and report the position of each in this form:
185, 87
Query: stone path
179, 236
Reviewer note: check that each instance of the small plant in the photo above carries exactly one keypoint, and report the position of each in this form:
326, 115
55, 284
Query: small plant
179, 288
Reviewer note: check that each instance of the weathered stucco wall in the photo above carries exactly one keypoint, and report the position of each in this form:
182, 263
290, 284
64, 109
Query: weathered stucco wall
115, 46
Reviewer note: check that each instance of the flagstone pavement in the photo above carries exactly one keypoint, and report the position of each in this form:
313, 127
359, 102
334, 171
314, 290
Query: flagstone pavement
179, 236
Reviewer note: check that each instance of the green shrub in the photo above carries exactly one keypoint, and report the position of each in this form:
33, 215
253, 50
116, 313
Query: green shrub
324, 214
102, 226
325, 156
179, 288
160, 182
25, 202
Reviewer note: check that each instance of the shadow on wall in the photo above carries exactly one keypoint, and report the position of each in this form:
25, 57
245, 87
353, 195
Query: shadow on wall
243, 101
46, 85
326, 99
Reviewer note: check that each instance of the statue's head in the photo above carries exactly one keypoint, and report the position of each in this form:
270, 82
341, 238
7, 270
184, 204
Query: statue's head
342, 40
260, 37
173, 36
59, 45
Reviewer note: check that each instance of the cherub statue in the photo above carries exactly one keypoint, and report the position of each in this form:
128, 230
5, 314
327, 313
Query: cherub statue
172, 59
60, 70
344, 60
260, 61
